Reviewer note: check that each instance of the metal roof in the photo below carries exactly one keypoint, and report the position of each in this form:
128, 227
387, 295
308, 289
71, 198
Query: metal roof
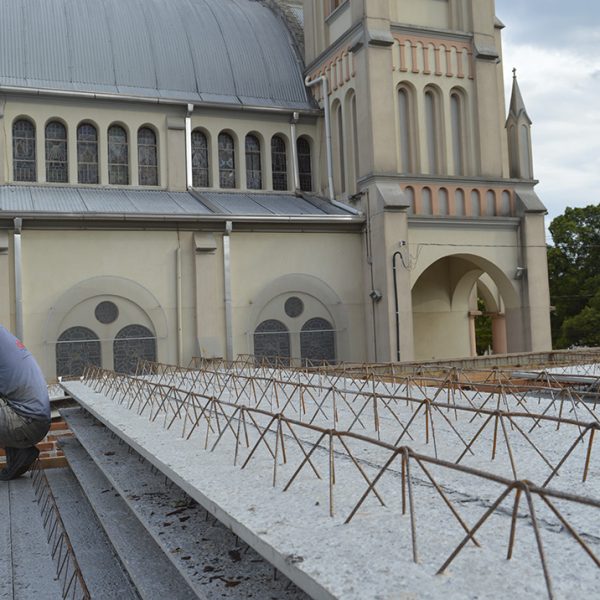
18, 200
227, 51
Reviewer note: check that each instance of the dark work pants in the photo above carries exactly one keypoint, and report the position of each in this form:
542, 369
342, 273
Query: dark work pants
17, 431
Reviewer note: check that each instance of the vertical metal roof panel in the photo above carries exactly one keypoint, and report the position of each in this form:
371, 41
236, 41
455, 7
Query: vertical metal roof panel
235, 204
229, 51
46, 41
286, 204
12, 40
15, 198
165, 27
271, 38
132, 52
90, 44
106, 201
51, 199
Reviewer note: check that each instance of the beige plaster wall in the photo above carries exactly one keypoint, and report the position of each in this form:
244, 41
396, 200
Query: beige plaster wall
259, 259
57, 261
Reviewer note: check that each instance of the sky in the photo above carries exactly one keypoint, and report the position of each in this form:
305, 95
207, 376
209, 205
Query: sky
555, 47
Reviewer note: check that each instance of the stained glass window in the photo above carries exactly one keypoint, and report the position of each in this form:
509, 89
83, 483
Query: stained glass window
226, 161
199, 159
272, 343
147, 157
57, 170
279, 163
118, 156
304, 164
253, 168
87, 153
106, 312
23, 150
77, 348
317, 342
133, 343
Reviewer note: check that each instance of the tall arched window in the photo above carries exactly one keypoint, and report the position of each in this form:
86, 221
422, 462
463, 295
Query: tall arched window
432, 123
279, 163
340, 144
458, 132
317, 341
118, 156
272, 342
133, 343
199, 159
23, 133
76, 348
226, 161
57, 169
147, 157
87, 153
406, 122
253, 166
304, 164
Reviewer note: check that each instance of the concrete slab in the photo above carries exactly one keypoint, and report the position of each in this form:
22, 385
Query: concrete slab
151, 572
371, 557
101, 569
209, 556
33, 571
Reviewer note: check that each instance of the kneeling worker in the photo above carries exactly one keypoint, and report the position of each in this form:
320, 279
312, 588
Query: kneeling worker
24, 406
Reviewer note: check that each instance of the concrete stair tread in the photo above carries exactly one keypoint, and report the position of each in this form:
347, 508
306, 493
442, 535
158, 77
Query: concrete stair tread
26, 567
209, 556
102, 570
152, 573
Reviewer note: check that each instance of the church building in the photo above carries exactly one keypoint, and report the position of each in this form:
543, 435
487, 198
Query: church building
324, 180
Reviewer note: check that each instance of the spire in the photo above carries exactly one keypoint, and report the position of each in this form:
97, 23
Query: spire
518, 129
517, 106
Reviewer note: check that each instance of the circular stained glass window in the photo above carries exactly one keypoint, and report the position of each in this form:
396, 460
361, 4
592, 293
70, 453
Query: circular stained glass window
294, 307
106, 312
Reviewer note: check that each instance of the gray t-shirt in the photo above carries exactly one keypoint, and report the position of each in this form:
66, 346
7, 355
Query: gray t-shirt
21, 380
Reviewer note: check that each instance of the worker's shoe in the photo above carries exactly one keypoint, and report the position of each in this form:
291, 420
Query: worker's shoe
19, 460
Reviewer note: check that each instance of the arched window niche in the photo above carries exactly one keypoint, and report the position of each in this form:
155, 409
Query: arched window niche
272, 343
253, 163
76, 348
200, 163
87, 153
279, 163
57, 166
147, 156
23, 138
118, 156
226, 161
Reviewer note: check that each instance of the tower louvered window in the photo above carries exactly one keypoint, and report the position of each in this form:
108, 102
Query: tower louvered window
24, 150
199, 159
87, 153
118, 156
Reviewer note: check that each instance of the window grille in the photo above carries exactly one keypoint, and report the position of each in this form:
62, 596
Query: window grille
226, 161
304, 164
24, 151
147, 157
118, 156
87, 154
253, 167
57, 170
199, 159
272, 342
77, 348
279, 163
133, 343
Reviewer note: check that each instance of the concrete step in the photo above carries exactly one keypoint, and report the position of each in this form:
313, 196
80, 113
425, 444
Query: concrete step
152, 573
102, 571
210, 557
26, 567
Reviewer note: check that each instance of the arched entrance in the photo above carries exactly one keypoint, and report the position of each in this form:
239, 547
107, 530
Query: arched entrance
449, 296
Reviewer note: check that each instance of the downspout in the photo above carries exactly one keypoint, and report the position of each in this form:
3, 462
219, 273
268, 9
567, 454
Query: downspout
293, 122
179, 302
227, 278
325, 91
188, 147
18, 279
396, 254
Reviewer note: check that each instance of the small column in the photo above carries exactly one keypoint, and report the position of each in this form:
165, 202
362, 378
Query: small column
499, 344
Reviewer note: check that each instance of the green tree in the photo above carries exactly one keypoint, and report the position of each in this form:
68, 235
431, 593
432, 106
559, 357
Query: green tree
574, 269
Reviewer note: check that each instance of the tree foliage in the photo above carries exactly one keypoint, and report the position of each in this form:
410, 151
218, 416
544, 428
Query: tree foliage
574, 269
